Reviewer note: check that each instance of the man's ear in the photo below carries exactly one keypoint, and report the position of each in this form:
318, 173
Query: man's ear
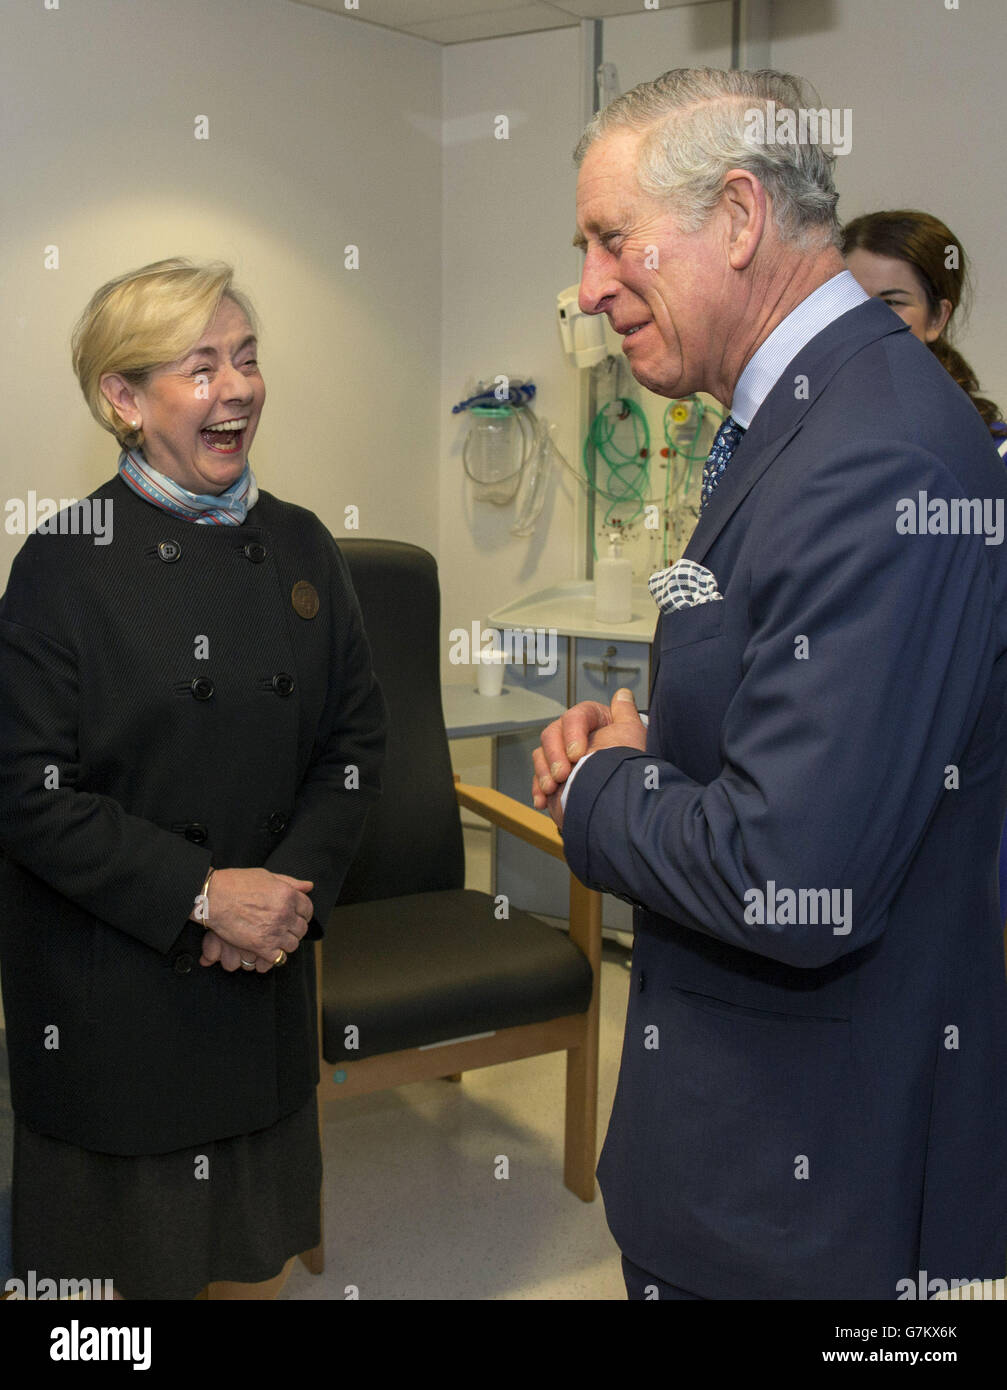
748, 208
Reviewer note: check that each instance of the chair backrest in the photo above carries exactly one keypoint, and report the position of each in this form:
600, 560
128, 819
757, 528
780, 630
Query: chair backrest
413, 839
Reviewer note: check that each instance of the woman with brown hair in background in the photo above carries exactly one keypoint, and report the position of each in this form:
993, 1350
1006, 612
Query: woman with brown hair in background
902, 258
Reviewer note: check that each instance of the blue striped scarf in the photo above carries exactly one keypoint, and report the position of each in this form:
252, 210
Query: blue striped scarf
227, 509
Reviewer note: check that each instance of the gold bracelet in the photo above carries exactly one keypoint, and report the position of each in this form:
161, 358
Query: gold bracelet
204, 898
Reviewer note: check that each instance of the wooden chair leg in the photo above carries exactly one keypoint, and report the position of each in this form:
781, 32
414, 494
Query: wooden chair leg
314, 1260
581, 1140
228, 1291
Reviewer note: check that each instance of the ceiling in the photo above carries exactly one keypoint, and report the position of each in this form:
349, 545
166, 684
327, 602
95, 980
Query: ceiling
460, 21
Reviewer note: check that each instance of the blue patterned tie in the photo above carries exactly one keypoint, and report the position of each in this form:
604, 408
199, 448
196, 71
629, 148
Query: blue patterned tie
727, 440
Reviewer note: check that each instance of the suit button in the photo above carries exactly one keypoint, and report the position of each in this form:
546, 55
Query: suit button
277, 823
639, 983
169, 551
202, 688
196, 833
183, 964
255, 552
282, 683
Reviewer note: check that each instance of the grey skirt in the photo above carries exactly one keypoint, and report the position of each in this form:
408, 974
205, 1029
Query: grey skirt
162, 1226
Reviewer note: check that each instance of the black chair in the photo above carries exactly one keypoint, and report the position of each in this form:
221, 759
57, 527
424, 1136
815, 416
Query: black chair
434, 981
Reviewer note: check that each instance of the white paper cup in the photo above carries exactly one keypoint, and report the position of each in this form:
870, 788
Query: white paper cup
490, 667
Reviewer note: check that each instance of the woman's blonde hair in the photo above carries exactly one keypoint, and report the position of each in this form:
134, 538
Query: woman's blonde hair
143, 320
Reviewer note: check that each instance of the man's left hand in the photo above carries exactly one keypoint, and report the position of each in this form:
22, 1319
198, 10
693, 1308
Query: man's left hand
627, 730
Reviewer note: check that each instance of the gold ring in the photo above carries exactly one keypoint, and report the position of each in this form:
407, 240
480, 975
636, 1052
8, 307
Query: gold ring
281, 958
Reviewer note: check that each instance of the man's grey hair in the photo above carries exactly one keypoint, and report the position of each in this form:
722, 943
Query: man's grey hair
697, 128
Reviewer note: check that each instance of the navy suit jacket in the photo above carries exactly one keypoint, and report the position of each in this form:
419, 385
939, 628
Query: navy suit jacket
813, 1108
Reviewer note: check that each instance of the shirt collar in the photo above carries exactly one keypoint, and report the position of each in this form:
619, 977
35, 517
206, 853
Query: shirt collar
836, 297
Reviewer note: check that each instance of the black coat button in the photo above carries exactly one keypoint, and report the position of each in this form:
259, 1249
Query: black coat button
639, 983
277, 823
196, 833
282, 683
169, 551
202, 688
183, 964
255, 552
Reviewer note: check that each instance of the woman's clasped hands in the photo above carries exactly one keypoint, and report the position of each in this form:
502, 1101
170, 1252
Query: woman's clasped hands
254, 915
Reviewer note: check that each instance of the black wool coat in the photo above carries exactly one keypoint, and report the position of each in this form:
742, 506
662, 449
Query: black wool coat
171, 701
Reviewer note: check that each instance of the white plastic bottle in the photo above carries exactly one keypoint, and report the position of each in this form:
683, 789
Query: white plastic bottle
613, 585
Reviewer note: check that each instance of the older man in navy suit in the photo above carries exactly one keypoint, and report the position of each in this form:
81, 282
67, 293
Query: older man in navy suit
812, 1101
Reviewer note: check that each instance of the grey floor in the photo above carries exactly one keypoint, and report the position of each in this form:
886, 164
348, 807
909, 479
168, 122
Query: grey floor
413, 1207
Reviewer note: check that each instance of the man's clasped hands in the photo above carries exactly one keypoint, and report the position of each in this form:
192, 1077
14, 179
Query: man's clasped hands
581, 730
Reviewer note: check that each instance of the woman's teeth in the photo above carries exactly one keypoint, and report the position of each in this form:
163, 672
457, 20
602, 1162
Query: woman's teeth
226, 436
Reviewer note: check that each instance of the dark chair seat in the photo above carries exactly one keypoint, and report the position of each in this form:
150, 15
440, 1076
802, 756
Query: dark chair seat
429, 967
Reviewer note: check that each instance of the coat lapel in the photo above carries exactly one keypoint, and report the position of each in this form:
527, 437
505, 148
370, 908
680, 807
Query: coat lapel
781, 414
778, 420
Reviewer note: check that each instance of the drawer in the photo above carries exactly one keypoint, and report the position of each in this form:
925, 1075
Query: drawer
602, 666
541, 661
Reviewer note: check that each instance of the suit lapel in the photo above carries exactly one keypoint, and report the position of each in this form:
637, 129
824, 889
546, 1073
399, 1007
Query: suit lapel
781, 414
655, 659
777, 421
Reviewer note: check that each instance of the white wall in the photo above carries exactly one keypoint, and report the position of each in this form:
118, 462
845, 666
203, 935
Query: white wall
323, 132
508, 222
644, 45
926, 88
509, 215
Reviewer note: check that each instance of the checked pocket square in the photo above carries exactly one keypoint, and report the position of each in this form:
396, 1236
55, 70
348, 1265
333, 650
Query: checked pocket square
683, 585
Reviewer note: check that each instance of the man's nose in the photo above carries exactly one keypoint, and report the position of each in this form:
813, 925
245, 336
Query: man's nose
597, 286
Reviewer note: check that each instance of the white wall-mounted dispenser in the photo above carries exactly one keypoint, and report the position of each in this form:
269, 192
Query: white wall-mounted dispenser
587, 338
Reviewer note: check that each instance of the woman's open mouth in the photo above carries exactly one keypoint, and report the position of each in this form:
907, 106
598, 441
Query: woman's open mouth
226, 437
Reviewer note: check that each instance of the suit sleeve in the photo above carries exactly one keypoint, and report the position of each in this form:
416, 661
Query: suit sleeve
121, 868
833, 762
343, 778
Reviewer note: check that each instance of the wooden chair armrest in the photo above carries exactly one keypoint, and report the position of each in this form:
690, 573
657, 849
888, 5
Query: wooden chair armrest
535, 827
539, 829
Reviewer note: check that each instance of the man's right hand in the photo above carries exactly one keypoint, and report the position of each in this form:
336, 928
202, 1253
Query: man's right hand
564, 742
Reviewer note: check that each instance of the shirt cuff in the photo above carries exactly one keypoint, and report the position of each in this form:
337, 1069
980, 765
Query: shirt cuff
577, 767
569, 781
